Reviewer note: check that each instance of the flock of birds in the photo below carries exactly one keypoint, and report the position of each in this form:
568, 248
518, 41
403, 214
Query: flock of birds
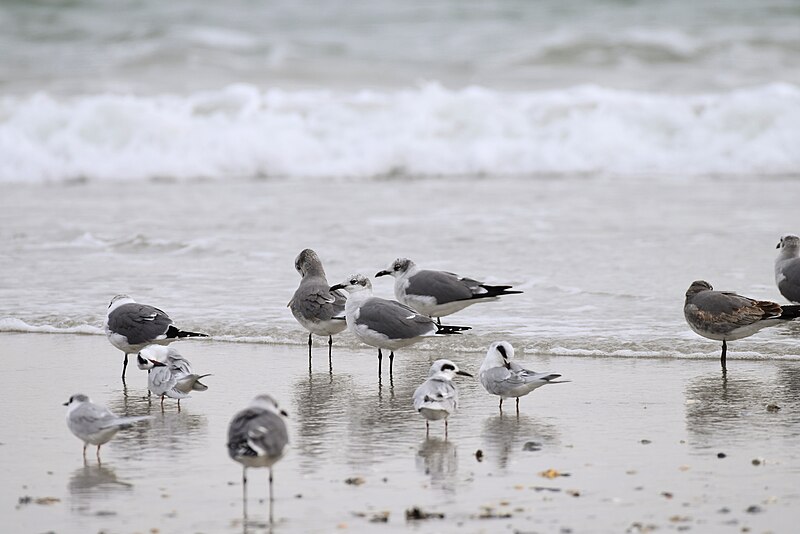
257, 435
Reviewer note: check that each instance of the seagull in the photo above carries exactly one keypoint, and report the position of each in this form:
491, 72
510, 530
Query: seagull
438, 293
318, 309
787, 267
257, 437
131, 327
385, 324
500, 376
169, 373
94, 424
725, 316
437, 397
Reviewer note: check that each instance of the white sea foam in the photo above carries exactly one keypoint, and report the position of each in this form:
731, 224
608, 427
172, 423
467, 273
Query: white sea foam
11, 324
242, 131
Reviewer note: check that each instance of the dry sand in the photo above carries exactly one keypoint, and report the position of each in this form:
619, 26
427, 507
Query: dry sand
641, 445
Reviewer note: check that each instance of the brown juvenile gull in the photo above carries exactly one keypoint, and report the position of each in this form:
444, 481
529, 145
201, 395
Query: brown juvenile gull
131, 326
787, 267
725, 316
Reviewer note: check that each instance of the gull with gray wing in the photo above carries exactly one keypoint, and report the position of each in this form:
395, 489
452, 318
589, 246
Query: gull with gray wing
787, 267
437, 397
257, 437
502, 377
169, 373
94, 424
131, 326
386, 324
725, 316
438, 293
318, 309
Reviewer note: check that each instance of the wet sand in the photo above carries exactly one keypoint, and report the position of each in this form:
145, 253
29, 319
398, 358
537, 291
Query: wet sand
642, 444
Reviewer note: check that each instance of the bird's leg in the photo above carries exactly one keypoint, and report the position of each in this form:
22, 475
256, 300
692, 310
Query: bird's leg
501, 404
391, 362
380, 359
179, 406
445, 429
271, 498
244, 496
439, 322
724, 353
84, 451
124, 367
517, 405
309, 347
98, 455
427, 428
330, 358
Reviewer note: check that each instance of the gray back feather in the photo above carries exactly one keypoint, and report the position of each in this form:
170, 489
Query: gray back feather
790, 285
444, 286
393, 319
313, 300
139, 323
256, 432
438, 391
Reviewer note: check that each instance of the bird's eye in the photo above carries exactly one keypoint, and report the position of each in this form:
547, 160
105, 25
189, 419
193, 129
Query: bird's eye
354, 281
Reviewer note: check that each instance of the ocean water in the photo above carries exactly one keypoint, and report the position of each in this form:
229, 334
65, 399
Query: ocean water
599, 156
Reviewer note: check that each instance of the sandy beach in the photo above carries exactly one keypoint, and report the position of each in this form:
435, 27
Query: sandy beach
639, 445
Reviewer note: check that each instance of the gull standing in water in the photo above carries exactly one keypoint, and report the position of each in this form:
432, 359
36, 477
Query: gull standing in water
386, 324
500, 376
787, 267
169, 373
257, 437
94, 424
318, 309
438, 293
724, 316
437, 397
131, 326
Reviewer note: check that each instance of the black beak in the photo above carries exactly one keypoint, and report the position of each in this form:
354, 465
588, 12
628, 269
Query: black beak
382, 273
65, 404
464, 373
283, 413
337, 286
779, 245
158, 363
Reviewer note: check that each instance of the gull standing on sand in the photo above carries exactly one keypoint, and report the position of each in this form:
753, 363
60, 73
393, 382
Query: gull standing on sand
437, 397
318, 309
787, 267
169, 373
385, 324
94, 424
500, 376
131, 327
257, 437
438, 293
725, 316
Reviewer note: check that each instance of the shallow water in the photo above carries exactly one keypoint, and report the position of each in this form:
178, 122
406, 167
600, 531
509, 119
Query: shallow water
638, 438
604, 265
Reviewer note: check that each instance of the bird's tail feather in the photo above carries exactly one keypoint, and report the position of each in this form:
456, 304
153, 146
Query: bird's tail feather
173, 332
495, 291
199, 386
447, 329
126, 422
790, 311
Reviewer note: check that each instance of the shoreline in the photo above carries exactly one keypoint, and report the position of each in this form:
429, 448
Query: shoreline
639, 439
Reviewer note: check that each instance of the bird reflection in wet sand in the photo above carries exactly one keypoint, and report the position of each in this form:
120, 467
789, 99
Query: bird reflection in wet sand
166, 431
718, 406
92, 483
503, 434
437, 458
